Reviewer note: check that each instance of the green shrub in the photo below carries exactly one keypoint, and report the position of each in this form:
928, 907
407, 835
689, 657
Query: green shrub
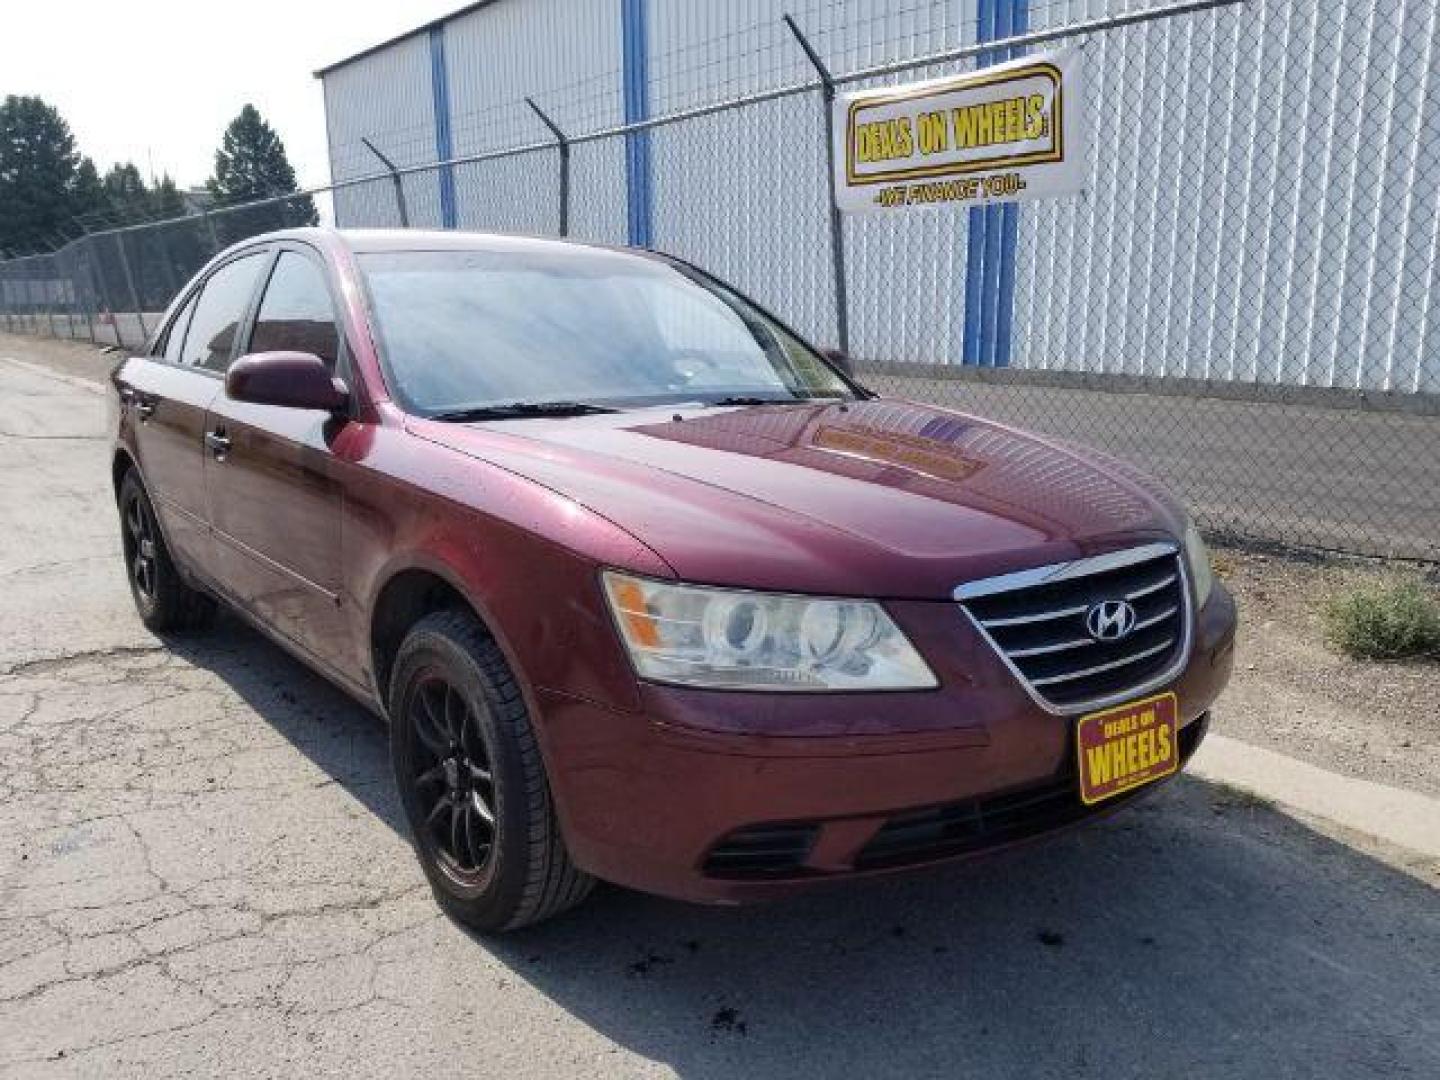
1385, 620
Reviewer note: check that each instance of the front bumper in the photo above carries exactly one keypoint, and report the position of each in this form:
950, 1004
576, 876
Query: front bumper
668, 801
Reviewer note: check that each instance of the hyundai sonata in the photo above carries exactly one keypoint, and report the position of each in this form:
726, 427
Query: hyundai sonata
647, 588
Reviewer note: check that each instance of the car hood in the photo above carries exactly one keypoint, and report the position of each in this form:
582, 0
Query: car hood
880, 497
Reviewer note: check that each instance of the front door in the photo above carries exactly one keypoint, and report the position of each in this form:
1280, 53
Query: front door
272, 483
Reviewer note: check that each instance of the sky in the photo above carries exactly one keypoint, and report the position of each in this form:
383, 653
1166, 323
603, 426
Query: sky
156, 82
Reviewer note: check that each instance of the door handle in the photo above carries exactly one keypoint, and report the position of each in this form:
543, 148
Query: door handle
144, 407
217, 442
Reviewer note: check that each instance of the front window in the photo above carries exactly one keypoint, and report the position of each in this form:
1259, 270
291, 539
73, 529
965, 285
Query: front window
468, 330
295, 314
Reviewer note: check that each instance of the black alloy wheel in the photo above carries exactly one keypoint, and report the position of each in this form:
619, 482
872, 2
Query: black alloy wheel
140, 549
472, 779
453, 780
163, 599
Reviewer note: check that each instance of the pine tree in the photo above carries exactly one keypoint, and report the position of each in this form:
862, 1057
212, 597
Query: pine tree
127, 200
166, 202
38, 175
251, 164
89, 192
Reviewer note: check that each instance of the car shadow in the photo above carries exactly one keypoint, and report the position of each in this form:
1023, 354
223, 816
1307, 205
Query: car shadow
338, 734
1198, 933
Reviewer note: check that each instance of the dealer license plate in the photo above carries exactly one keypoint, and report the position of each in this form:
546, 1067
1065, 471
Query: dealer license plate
1128, 746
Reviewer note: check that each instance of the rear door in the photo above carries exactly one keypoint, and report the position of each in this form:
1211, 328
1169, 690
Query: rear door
168, 394
273, 484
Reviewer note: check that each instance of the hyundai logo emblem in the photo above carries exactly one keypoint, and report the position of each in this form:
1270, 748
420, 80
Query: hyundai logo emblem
1110, 620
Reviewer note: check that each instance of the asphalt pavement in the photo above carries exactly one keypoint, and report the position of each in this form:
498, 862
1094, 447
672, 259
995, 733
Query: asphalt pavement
203, 871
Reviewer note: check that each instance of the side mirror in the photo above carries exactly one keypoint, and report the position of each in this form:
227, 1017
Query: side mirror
293, 380
841, 359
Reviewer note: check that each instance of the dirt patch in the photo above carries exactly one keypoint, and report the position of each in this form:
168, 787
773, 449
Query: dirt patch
1295, 694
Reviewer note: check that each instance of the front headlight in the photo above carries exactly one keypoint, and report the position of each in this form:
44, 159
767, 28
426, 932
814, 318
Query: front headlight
735, 640
1197, 561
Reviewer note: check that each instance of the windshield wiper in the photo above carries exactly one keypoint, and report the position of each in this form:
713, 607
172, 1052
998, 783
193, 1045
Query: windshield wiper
517, 410
742, 399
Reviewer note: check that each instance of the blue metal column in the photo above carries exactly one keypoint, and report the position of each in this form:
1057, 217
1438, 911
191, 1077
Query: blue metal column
973, 348
990, 247
444, 146
994, 215
1009, 225
638, 197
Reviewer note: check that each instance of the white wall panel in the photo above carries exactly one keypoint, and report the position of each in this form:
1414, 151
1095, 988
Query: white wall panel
1263, 203
564, 53
386, 97
701, 51
745, 193
1278, 226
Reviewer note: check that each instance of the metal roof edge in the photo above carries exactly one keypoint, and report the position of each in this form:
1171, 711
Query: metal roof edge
321, 72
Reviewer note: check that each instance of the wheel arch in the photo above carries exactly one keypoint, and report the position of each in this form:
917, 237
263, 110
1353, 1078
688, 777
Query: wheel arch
121, 463
409, 593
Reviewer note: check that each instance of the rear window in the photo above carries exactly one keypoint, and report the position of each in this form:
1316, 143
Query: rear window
213, 327
175, 336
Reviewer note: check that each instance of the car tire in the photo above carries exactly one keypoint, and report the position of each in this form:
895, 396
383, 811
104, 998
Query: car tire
162, 598
472, 781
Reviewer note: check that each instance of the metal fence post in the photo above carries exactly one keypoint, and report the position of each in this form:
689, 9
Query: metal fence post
82, 259
837, 231
564, 145
65, 292
210, 230
42, 284
134, 296
49, 295
65, 283
104, 291
394, 179
64, 298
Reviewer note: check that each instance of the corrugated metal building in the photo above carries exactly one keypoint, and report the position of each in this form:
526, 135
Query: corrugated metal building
1263, 204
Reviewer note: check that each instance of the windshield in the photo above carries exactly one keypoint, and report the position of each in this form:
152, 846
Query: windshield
466, 330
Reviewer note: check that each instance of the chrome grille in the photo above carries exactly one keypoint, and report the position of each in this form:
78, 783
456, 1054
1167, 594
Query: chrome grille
1036, 620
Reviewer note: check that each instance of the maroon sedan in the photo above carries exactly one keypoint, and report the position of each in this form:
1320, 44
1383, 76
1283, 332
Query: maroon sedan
648, 588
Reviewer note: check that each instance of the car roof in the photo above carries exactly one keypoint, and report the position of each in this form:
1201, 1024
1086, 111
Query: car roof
363, 241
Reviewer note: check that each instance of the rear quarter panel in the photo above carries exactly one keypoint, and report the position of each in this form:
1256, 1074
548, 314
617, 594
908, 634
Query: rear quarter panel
167, 448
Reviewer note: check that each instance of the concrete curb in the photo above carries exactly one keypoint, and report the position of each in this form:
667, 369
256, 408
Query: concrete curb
1404, 818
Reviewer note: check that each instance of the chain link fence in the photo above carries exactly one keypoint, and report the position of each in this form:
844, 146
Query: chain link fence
1242, 302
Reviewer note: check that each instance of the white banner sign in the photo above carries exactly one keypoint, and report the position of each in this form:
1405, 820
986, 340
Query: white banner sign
1004, 133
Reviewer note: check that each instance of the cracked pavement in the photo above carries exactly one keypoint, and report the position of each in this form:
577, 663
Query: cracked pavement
203, 871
